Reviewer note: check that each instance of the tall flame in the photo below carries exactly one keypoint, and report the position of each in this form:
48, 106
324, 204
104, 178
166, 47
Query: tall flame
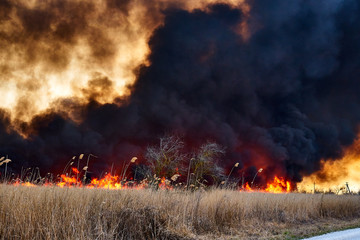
81, 49
277, 185
335, 174
58, 58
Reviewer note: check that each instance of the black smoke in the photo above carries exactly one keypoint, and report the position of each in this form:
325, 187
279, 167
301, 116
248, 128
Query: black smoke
282, 99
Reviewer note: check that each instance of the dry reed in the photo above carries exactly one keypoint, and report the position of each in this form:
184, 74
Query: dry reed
80, 213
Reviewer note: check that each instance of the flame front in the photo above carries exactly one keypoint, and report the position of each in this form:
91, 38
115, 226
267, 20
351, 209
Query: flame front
277, 185
109, 181
335, 174
247, 187
68, 181
114, 182
26, 184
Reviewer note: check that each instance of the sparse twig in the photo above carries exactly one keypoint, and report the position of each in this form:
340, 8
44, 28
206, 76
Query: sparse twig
78, 166
87, 166
232, 169
6, 161
188, 173
259, 171
133, 160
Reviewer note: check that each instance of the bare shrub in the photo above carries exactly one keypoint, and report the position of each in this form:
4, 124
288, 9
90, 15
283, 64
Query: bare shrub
204, 164
167, 157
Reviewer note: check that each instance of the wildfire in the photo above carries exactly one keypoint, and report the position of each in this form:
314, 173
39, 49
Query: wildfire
109, 181
27, 184
96, 60
165, 184
75, 170
336, 175
278, 185
115, 182
247, 187
67, 181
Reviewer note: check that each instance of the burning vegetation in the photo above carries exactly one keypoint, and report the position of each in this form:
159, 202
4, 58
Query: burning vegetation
109, 77
337, 176
264, 94
167, 168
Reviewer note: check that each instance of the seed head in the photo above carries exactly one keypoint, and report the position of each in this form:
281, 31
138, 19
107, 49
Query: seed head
6, 160
175, 177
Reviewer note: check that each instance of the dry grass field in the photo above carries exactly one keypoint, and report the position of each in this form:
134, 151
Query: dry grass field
80, 213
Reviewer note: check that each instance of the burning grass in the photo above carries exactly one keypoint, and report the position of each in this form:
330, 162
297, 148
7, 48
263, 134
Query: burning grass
51, 212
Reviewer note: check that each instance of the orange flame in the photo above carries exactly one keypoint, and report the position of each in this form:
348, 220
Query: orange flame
336, 175
75, 70
108, 182
165, 184
247, 187
112, 182
279, 185
75, 170
68, 181
27, 184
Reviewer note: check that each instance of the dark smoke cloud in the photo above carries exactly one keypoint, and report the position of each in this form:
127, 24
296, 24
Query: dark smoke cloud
283, 99
40, 42
48, 32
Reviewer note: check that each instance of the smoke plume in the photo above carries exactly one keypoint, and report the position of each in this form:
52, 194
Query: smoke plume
275, 82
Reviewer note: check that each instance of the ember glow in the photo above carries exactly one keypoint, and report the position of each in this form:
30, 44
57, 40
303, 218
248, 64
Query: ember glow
26, 184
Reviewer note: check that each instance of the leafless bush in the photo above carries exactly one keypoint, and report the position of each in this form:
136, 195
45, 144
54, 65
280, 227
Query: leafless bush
167, 157
204, 164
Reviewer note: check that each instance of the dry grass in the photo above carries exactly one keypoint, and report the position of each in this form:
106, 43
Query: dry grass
80, 213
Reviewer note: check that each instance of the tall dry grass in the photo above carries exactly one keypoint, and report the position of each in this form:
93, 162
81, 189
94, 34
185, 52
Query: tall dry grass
80, 213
